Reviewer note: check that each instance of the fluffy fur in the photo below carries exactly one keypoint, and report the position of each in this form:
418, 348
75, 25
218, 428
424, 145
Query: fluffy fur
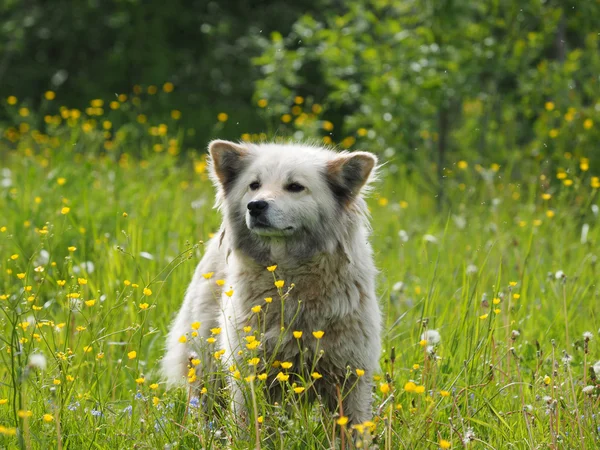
318, 237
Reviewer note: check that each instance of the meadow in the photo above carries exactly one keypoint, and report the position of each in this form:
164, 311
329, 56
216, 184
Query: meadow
489, 296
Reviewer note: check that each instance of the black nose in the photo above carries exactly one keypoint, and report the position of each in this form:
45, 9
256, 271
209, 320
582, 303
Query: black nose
257, 207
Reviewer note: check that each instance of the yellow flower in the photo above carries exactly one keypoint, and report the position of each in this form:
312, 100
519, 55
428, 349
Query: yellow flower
272, 268
484, 316
268, 299
3, 401
516, 296
143, 306
250, 338
547, 380
247, 329
15, 256
549, 106
47, 418
382, 201
327, 125
195, 362
568, 182
222, 117
154, 386
318, 334
250, 378
286, 365
229, 293
56, 382
360, 372
299, 390
420, 389
497, 311
262, 376
279, 284
286, 118
155, 401
444, 444
23, 414
496, 301
595, 182
147, 292
61, 282
262, 103
550, 214
20, 276
297, 334
132, 354
256, 309
211, 340
183, 339
220, 282
512, 283
253, 345
140, 380
316, 375
253, 361
410, 387
11, 100
215, 331
588, 123
445, 393
553, 133
384, 388
282, 376
208, 275
343, 420
65, 210
90, 302
71, 248
462, 165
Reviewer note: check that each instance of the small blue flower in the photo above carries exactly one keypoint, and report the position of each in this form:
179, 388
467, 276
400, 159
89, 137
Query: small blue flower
128, 409
96, 413
73, 406
139, 396
194, 402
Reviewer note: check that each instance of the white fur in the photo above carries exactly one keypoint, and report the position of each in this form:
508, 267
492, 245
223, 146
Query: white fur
319, 243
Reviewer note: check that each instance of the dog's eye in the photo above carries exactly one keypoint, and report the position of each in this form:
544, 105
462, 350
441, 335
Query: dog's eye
294, 187
254, 186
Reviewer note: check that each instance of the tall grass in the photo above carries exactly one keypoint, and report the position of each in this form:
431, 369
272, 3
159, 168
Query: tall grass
490, 306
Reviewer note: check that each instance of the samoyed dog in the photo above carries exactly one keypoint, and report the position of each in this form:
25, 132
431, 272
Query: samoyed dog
285, 291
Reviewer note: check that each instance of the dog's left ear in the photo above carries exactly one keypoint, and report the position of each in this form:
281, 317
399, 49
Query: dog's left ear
227, 159
348, 173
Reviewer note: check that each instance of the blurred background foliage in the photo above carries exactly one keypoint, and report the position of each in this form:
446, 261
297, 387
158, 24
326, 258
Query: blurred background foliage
498, 81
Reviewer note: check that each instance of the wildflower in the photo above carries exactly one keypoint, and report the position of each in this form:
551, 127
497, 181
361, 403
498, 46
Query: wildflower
195, 362
20, 276
279, 284
81, 281
229, 293
37, 360
143, 306
253, 361
208, 275
247, 329
3, 401
87, 349
431, 336
268, 299
299, 390
547, 380
24, 414
318, 334
287, 365
183, 339
444, 444
90, 302
220, 282
484, 316
65, 210
468, 436
56, 382
140, 380
385, 388
588, 389
360, 372
262, 376
147, 292
316, 375
256, 309
72, 248
445, 393
588, 123
282, 376
343, 420
423, 342
132, 354
272, 268
215, 331
587, 336
70, 378
222, 117
253, 345
462, 165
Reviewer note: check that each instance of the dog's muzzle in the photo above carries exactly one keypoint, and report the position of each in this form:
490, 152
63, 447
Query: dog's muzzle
257, 207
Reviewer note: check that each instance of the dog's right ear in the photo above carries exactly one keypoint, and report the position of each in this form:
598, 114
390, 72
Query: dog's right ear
227, 159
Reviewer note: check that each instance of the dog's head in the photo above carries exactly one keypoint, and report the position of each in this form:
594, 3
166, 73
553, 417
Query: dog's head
287, 196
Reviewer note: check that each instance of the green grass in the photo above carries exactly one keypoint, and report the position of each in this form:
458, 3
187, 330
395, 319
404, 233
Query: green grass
440, 269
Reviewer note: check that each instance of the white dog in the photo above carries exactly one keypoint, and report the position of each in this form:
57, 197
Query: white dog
300, 208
